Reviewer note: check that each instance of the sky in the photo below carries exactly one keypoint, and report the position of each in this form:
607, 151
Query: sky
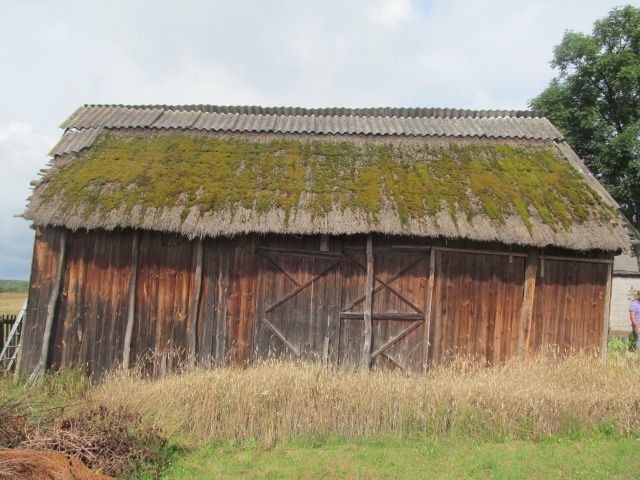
60, 54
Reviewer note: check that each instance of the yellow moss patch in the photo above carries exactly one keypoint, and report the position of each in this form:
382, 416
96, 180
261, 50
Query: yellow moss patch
494, 180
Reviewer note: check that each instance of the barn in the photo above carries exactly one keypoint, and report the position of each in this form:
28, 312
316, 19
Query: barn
380, 237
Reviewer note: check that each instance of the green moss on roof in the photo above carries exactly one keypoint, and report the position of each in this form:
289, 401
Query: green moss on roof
494, 180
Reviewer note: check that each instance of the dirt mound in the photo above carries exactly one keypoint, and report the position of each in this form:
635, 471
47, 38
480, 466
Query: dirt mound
43, 465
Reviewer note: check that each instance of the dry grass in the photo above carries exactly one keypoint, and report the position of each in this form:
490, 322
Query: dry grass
276, 401
11, 302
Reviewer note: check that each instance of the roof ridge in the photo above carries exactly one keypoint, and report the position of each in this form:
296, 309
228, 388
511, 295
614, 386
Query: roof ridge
406, 112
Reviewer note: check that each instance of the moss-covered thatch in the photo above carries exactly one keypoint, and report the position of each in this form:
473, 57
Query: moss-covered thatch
483, 185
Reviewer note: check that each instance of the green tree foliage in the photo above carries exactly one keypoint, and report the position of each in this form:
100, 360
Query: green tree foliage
595, 102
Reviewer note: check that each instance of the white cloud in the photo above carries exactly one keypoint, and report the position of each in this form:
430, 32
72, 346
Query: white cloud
391, 12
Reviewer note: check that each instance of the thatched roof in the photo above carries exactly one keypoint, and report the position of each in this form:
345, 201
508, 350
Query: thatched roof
210, 171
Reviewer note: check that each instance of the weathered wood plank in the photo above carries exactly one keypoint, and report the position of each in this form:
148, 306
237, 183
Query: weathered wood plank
195, 303
51, 310
410, 317
131, 306
368, 305
604, 333
526, 310
428, 309
281, 336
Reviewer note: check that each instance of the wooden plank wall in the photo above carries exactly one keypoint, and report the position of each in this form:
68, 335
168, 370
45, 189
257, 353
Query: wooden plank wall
43, 272
475, 310
569, 304
477, 301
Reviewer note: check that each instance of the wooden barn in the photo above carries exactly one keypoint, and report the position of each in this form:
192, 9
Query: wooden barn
380, 237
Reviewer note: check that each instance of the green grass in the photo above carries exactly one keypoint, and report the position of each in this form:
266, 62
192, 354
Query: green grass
14, 286
590, 457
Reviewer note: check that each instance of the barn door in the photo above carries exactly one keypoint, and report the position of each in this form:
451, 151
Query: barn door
311, 305
398, 304
298, 303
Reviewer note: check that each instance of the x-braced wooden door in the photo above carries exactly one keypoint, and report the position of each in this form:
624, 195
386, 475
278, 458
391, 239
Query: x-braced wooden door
298, 303
398, 337
311, 305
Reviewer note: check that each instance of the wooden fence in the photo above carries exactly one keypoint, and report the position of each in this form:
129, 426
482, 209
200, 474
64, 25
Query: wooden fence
6, 322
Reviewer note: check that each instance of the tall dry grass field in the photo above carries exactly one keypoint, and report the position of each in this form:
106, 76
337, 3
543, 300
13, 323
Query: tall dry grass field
275, 401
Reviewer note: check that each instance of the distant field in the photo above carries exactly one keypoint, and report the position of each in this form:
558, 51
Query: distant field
10, 302
14, 286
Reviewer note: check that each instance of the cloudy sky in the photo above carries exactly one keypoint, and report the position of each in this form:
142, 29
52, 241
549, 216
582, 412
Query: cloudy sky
57, 55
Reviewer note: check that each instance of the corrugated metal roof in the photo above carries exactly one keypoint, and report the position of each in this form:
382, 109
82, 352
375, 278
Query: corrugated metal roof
112, 117
74, 120
75, 140
419, 122
176, 119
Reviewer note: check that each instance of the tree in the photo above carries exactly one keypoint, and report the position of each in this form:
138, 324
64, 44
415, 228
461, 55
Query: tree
595, 102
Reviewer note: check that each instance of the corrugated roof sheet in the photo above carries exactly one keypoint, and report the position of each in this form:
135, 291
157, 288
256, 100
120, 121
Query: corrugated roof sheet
112, 117
410, 112
75, 140
176, 119
419, 122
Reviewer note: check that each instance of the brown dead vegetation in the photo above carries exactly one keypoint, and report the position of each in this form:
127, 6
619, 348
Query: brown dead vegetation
27, 464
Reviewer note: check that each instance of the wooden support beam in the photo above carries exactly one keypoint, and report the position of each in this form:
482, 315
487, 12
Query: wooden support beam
431, 283
607, 312
368, 305
302, 287
300, 253
131, 308
397, 338
526, 309
221, 309
411, 317
386, 284
195, 304
281, 336
277, 265
51, 310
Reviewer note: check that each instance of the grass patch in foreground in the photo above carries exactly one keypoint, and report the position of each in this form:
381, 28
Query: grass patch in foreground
588, 457
11, 302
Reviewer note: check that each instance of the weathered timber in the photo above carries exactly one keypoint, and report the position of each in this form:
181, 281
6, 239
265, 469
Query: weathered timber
281, 336
195, 304
221, 306
300, 253
382, 284
428, 308
300, 288
51, 311
382, 316
368, 305
526, 309
397, 338
606, 314
452, 300
131, 307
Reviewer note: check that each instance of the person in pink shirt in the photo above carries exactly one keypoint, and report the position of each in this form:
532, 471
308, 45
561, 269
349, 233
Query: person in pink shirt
634, 316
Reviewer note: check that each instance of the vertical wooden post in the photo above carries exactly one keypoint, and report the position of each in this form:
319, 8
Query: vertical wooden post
428, 307
368, 305
607, 311
195, 303
526, 309
51, 310
131, 308
221, 303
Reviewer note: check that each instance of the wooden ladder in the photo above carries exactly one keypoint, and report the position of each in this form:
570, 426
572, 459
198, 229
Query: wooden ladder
9, 352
